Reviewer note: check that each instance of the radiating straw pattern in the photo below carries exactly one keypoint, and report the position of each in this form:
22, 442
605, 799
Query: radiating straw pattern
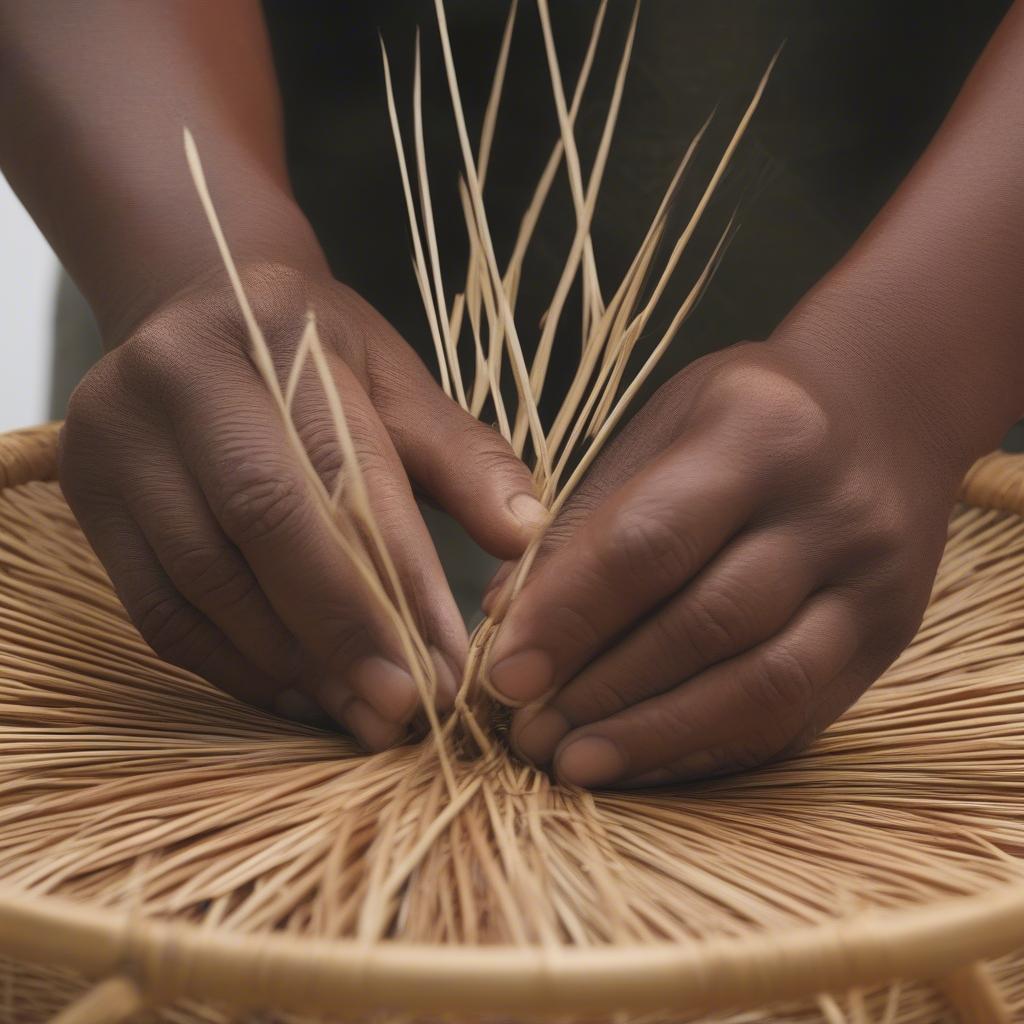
128, 783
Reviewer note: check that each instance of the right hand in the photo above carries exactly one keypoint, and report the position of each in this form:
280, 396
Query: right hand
176, 463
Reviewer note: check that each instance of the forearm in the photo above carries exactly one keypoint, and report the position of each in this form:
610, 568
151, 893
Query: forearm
96, 96
931, 298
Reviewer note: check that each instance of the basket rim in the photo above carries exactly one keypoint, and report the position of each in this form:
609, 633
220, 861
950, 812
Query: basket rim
172, 959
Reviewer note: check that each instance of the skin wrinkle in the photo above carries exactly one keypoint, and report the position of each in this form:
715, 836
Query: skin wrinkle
849, 428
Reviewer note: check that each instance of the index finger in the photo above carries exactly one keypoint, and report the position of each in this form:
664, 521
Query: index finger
736, 715
263, 500
639, 547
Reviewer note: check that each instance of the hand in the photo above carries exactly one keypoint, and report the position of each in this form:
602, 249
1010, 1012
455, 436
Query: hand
176, 463
753, 551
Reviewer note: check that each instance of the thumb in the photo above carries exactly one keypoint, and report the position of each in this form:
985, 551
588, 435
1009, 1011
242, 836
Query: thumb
471, 472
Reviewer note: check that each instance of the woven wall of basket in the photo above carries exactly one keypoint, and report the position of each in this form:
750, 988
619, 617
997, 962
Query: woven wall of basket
169, 854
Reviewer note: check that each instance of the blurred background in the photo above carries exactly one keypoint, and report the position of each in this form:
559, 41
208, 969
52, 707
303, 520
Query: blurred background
50, 338
28, 288
860, 88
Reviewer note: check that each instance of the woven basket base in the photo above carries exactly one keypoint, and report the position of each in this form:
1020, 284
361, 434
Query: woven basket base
915, 796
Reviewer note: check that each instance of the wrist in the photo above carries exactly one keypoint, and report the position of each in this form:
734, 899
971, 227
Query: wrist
870, 333
264, 228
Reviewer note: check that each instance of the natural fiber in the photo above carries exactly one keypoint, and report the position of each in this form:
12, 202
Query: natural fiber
130, 786
172, 844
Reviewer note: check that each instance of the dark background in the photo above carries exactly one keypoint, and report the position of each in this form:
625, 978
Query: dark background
860, 87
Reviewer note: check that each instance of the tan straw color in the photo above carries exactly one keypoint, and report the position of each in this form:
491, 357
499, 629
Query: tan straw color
188, 852
167, 853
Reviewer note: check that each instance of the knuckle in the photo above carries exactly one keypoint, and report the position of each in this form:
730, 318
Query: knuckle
376, 464
783, 683
75, 470
880, 525
887, 529
714, 623
152, 352
793, 427
169, 627
258, 505
86, 406
601, 698
578, 510
667, 728
394, 377
92, 410
489, 453
209, 575
852, 503
346, 642
377, 461
280, 296
574, 628
321, 444
648, 544
159, 361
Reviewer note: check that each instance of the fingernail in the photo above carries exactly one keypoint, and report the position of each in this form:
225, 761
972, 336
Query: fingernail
529, 511
591, 761
297, 707
373, 732
386, 687
447, 684
524, 676
536, 732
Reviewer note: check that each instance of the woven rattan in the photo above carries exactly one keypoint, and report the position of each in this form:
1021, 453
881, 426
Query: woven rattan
180, 850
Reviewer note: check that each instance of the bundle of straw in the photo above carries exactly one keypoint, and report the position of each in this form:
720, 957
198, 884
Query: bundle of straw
196, 858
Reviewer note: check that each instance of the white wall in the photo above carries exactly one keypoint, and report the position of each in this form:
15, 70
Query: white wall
28, 282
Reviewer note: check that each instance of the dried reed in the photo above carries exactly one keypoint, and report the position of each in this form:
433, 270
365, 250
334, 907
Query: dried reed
130, 786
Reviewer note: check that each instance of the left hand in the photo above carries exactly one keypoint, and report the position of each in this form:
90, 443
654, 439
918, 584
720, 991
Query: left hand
741, 564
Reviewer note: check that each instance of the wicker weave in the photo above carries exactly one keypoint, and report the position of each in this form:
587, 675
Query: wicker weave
56, 926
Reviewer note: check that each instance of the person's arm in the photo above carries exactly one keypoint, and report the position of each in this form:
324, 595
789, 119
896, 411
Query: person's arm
929, 302
767, 529
90, 139
172, 455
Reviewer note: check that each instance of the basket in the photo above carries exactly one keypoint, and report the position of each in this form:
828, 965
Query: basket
921, 857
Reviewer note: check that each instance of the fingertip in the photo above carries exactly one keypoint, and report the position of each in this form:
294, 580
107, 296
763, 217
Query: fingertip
386, 687
360, 719
519, 522
521, 676
590, 761
536, 732
373, 731
529, 512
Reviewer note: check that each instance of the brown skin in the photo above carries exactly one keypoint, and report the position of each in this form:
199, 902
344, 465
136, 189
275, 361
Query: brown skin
172, 456
760, 542
747, 557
